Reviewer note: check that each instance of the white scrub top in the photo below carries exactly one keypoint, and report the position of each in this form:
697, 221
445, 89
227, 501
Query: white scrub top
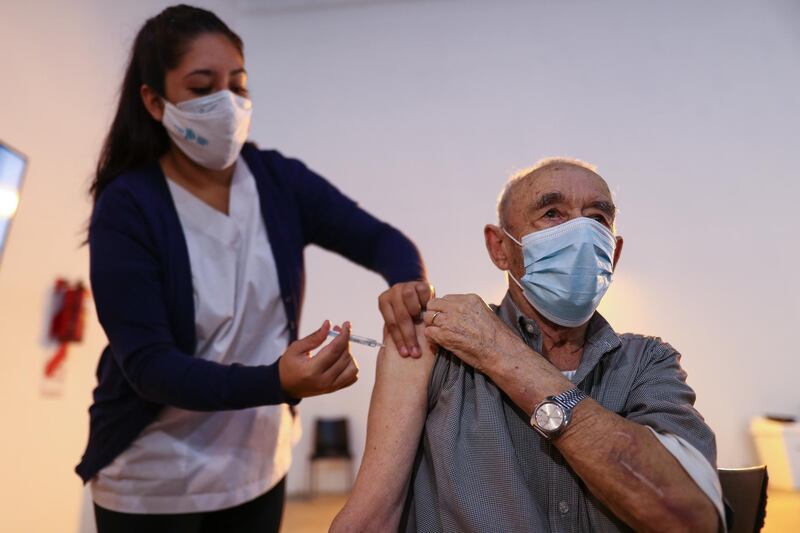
190, 461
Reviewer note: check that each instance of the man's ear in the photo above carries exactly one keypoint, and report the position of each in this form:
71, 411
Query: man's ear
494, 237
152, 102
618, 251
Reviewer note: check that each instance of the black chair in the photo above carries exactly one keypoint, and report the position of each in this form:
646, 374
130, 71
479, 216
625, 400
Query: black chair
745, 491
331, 442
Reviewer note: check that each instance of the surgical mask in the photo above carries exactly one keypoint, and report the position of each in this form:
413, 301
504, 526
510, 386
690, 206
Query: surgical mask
210, 130
568, 269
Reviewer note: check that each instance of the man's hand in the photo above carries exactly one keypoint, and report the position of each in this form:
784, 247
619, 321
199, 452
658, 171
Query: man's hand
466, 326
400, 306
620, 461
333, 367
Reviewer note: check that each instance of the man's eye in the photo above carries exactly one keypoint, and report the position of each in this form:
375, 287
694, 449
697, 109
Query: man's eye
552, 213
241, 91
200, 90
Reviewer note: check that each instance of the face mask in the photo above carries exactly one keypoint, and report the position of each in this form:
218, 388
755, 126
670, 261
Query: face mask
210, 130
568, 269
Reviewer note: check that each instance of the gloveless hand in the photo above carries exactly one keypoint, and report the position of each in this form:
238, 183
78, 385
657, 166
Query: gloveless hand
400, 306
466, 326
333, 367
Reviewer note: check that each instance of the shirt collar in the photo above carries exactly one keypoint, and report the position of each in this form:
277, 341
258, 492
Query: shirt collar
600, 336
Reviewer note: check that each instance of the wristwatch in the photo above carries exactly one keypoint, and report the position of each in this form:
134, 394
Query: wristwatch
552, 416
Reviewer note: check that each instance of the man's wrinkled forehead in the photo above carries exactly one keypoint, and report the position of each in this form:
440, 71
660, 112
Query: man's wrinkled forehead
557, 184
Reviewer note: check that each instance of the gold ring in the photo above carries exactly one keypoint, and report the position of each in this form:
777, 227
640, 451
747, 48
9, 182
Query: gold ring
434, 317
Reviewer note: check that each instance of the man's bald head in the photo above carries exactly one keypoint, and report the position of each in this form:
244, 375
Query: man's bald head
521, 189
552, 192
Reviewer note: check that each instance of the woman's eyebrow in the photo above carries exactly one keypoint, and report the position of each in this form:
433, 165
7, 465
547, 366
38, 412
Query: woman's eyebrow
209, 72
200, 71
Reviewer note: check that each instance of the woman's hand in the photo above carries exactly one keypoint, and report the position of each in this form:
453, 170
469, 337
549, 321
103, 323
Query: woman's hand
333, 367
400, 306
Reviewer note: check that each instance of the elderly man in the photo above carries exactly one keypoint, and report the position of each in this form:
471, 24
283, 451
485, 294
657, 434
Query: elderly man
535, 415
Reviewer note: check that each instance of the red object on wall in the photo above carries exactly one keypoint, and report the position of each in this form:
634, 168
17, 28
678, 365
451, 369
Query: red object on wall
67, 323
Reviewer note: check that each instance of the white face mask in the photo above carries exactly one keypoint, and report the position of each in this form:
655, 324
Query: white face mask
210, 130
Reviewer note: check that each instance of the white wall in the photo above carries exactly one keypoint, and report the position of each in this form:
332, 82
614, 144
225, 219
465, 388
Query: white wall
419, 110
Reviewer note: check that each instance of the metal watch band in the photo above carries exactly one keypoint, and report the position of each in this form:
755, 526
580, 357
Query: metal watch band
570, 398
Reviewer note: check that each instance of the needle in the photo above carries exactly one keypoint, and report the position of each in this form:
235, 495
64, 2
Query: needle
372, 343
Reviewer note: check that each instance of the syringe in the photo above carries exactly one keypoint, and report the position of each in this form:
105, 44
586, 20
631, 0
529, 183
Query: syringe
372, 343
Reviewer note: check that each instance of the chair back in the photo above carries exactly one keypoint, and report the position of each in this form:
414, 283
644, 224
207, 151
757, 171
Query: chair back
331, 438
745, 491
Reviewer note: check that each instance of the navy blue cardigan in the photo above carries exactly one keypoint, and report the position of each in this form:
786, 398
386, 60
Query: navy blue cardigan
142, 286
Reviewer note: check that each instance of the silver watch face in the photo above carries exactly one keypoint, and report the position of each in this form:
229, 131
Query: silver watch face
549, 416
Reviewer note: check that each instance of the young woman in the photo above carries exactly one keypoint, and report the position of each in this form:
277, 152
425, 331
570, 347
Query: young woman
196, 245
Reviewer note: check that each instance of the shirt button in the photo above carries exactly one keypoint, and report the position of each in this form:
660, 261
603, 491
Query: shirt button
563, 507
529, 328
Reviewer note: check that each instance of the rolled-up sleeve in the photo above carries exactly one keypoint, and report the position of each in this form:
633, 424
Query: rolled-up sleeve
662, 401
699, 469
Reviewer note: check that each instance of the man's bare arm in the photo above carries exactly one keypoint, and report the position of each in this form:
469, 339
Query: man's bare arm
621, 462
397, 414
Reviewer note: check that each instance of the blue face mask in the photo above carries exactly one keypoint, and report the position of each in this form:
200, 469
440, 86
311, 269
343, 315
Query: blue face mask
568, 269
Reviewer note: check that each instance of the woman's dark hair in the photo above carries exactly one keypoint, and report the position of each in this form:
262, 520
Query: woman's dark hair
135, 137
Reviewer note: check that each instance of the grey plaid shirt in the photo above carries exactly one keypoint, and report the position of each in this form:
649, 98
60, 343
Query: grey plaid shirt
481, 467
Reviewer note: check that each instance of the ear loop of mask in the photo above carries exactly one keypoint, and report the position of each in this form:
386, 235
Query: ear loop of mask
508, 272
512, 237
